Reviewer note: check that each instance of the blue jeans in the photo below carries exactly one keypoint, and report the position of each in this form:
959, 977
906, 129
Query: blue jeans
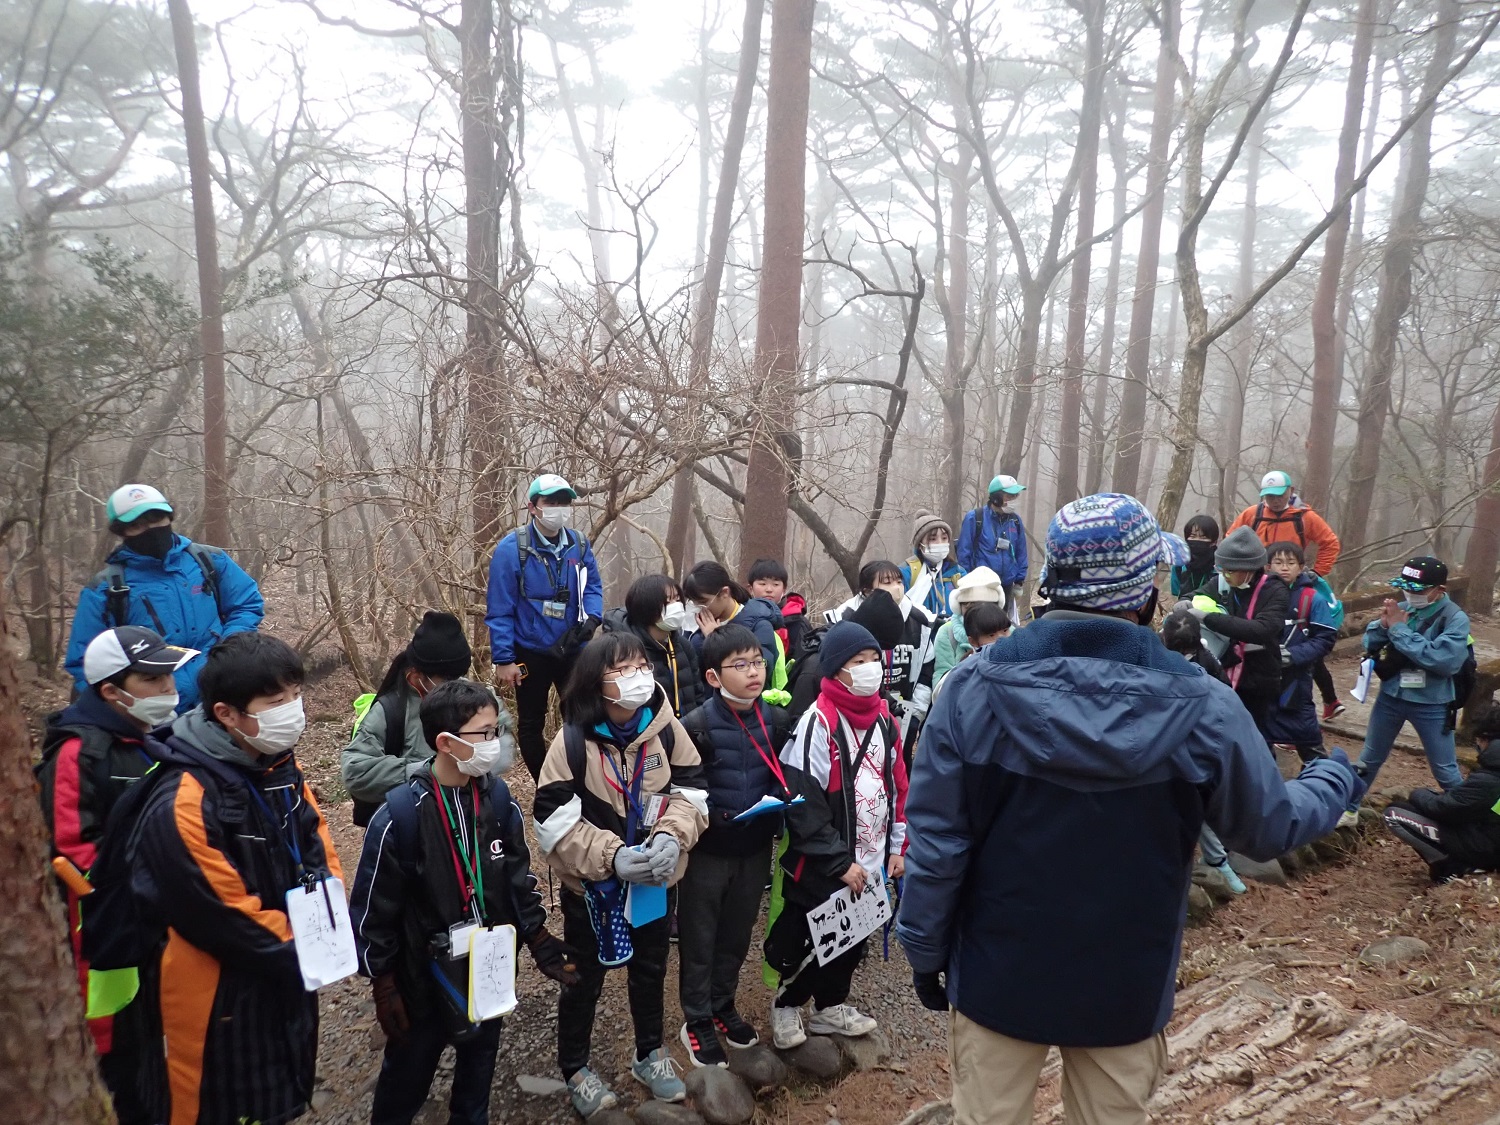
407, 1070
1387, 717
1211, 847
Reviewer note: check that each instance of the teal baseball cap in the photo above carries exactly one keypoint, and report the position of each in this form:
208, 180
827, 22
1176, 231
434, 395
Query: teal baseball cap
1006, 484
1275, 483
130, 502
550, 484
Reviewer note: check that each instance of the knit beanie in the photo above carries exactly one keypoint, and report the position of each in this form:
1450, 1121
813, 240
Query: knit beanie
925, 522
880, 614
1103, 551
980, 585
439, 647
842, 643
1241, 550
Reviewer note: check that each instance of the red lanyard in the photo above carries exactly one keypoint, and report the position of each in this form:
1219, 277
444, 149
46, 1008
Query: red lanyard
634, 810
469, 882
770, 760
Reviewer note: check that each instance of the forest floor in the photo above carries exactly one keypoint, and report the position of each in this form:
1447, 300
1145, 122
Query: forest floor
1242, 971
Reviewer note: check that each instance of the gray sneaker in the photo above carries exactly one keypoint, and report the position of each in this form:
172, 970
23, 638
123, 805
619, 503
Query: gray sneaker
658, 1073
590, 1094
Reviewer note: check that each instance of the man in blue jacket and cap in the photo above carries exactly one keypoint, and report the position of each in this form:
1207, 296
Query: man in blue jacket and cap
994, 536
544, 602
1053, 810
191, 594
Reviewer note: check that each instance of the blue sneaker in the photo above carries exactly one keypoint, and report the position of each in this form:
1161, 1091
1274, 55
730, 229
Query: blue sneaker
590, 1094
658, 1073
1231, 876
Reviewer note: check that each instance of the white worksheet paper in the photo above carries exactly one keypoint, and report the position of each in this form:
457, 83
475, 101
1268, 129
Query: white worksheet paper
842, 921
492, 973
322, 932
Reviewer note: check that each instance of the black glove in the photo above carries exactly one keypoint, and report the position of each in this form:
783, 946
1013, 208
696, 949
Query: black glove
931, 990
554, 958
1360, 781
390, 1009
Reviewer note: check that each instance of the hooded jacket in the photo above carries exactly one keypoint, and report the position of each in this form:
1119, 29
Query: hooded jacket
734, 748
1469, 825
215, 863
995, 541
563, 572
908, 662
675, 664
581, 821
1259, 681
170, 596
762, 618
1076, 738
930, 586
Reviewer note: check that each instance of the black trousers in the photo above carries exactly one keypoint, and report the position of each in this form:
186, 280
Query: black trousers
533, 697
825, 985
646, 974
406, 1074
716, 911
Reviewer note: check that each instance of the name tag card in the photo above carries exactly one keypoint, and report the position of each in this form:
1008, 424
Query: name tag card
843, 921
322, 932
492, 973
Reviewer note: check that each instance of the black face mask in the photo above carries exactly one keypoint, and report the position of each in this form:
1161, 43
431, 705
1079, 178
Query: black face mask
154, 541
1201, 554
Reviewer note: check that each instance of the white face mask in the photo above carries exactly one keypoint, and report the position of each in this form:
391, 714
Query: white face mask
636, 690
1225, 585
553, 520
280, 727
730, 697
489, 756
1418, 600
153, 710
865, 679
672, 617
935, 553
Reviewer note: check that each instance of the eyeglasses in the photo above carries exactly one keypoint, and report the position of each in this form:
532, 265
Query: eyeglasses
618, 674
743, 666
489, 734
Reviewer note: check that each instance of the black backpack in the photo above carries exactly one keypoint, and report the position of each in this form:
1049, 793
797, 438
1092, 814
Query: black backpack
811, 642
117, 592
393, 703
1260, 515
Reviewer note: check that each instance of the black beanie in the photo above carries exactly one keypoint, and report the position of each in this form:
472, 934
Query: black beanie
880, 614
439, 647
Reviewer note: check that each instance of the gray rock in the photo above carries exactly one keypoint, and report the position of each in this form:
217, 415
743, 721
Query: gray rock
1397, 950
1270, 872
865, 1052
1213, 882
540, 1087
1199, 905
611, 1117
933, 1113
664, 1113
721, 1097
758, 1066
817, 1058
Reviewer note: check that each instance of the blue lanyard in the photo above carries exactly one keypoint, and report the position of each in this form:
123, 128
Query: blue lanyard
288, 829
634, 809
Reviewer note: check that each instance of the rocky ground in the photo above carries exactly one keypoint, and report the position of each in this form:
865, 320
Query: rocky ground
1348, 990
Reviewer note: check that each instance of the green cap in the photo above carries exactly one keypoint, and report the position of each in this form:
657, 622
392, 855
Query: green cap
550, 484
1006, 484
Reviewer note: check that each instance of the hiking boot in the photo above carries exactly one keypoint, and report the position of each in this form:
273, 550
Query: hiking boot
703, 1044
590, 1094
1332, 708
840, 1019
1231, 876
786, 1028
658, 1073
736, 1031
1348, 819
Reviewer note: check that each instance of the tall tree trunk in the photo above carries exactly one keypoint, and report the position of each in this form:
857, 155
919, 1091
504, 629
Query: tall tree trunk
680, 521
1127, 467
1395, 287
953, 300
1483, 553
1242, 350
779, 314
589, 159
1322, 423
1098, 429
216, 521
1162, 384
48, 1072
1091, 113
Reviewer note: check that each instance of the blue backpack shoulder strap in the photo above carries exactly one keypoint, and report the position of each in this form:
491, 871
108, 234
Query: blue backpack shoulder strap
401, 804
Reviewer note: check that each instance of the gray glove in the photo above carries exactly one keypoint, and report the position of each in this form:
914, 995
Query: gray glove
663, 852
633, 865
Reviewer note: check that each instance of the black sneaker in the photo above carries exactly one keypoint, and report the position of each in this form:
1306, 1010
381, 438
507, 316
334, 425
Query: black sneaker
735, 1030
702, 1044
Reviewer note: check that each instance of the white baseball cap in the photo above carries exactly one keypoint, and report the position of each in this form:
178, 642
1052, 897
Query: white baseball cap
130, 502
1275, 483
131, 648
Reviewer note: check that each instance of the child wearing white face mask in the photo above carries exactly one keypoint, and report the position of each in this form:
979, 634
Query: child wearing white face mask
620, 801
931, 573
656, 612
844, 760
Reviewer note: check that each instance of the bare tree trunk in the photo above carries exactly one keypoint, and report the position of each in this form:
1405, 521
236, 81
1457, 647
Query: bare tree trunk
1395, 286
1127, 467
1070, 422
216, 521
48, 1073
780, 310
1242, 350
1317, 482
953, 300
1483, 554
1098, 430
680, 521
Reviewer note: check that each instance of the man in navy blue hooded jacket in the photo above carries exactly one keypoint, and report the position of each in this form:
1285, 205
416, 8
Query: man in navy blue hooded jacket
1052, 815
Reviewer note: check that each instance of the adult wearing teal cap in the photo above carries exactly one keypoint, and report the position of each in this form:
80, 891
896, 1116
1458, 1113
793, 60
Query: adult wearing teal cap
191, 594
543, 603
994, 536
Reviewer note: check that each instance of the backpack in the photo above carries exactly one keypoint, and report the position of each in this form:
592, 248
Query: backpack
394, 705
812, 642
524, 552
1297, 513
95, 739
117, 592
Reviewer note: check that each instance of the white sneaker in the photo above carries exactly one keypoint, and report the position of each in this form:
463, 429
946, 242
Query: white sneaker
1348, 819
840, 1019
786, 1028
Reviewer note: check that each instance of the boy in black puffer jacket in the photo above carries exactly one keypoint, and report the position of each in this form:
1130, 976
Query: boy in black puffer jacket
739, 738
1459, 830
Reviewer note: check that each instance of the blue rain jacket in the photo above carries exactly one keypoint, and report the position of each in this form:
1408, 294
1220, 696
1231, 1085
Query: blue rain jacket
998, 542
1435, 639
551, 574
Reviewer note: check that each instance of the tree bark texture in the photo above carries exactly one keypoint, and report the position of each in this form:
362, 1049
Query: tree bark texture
1483, 553
216, 523
780, 304
953, 301
1242, 349
1098, 429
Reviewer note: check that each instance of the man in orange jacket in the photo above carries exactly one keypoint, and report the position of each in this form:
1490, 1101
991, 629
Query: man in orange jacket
1283, 516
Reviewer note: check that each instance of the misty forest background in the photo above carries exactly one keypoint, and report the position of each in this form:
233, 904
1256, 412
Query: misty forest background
757, 276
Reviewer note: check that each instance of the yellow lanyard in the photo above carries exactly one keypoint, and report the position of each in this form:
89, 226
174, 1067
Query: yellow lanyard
672, 663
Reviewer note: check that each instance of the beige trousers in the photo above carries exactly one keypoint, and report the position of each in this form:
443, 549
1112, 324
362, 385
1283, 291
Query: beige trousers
995, 1077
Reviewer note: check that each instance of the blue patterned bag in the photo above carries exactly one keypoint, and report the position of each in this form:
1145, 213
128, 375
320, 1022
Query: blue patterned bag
606, 904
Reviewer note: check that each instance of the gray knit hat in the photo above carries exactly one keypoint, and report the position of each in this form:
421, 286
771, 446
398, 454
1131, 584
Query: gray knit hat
924, 523
1241, 550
